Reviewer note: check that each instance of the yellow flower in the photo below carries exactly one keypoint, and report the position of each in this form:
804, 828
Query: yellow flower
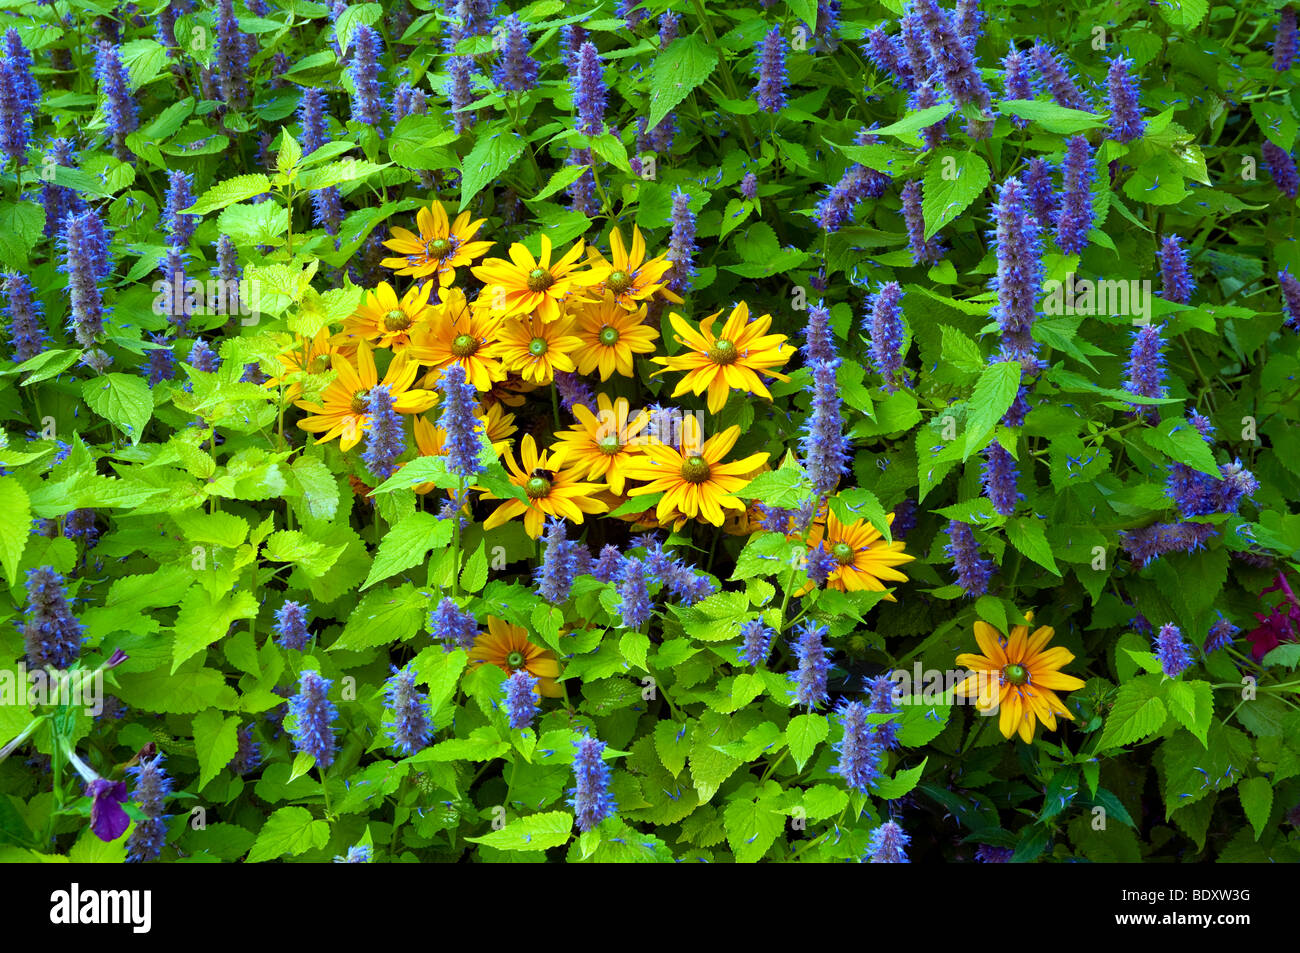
342, 410
627, 276
551, 491
510, 391
440, 247
694, 480
385, 321
507, 647
734, 359
524, 286
313, 356
610, 335
458, 334
602, 444
534, 349
862, 557
1018, 678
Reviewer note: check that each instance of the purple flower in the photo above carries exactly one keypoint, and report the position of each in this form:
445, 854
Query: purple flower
59, 201
407, 101
248, 753
920, 65
923, 97
1284, 42
152, 787
180, 195
634, 605
814, 666
385, 441
314, 715
924, 251
1040, 191
232, 54
590, 798
80, 524
19, 93
971, 569
357, 854
819, 338
1221, 635
681, 243
904, 519
1126, 122
882, 689
631, 13
888, 844
824, 446
52, 636
1290, 289
108, 821
1076, 206
1171, 650
756, 643
668, 25
410, 730
1057, 78
588, 81
1151, 542
459, 423
884, 325
582, 191
970, 21
26, 317
203, 358
955, 64
998, 477
821, 561
291, 626
749, 186
859, 748
1282, 167
886, 54
993, 855
769, 67
86, 261
452, 626
367, 104
1176, 280
521, 698
1015, 80
1146, 370
608, 565
559, 563
573, 391
313, 120
515, 69
1019, 275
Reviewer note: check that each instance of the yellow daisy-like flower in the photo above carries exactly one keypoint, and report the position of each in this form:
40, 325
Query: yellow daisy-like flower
526, 286
535, 349
734, 359
342, 410
694, 480
1018, 678
389, 322
627, 277
457, 333
610, 335
314, 356
441, 247
603, 443
507, 647
551, 491
863, 560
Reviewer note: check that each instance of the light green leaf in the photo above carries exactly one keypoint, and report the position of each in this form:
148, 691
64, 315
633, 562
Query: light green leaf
204, 619
994, 393
124, 400
495, 152
290, 830
684, 65
803, 734
1257, 801
953, 181
15, 526
407, 544
1027, 535
215, 742
534, 832
229, 192
1137, 713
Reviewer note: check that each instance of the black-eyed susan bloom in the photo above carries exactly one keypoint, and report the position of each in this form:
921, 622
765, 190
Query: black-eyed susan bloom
603, 443
535, 349
457, 333
860, 556
342, 411
385, 320
551, 491
611, 335
738, 357
507, 646
1018, 677
525, 286
628, 278
440, 248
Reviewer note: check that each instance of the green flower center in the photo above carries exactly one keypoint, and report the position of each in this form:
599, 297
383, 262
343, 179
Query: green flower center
439, 247
537, 487
618, 282
539, 279
537, 347
608, 336
843, 553
515, 659
695, 469
463, 345
397, 321
1016, 674
360, 401
609, 444
722, 352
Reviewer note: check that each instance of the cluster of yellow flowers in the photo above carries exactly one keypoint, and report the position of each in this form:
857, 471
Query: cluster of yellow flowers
533, 318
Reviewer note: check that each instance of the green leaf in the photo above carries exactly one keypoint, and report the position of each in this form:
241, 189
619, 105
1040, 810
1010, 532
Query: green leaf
215, 742
994, 394
474, 576
407, 544
534, 832
15, 526
1050, 116
1185, 15
338, 173
1026, 533
290, 830
204, 619
1257, 801
1179, 440
672, 742
419, 142
290, 153
383, 616
360, 14
752, 827
953, 181
803, 734
45, 365
124, 400
913, 122
684, 65
1192, 705
900, 784
495, 152
229, 192
1137, 713
960, 352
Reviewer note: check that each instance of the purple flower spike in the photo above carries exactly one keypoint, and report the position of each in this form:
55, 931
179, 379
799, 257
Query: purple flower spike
1126, 122
884, 325
1076, 207
999, 476
924, 251
770, 69
1290, 289
1284, 43
1175, 272
1282, 167
971, 569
